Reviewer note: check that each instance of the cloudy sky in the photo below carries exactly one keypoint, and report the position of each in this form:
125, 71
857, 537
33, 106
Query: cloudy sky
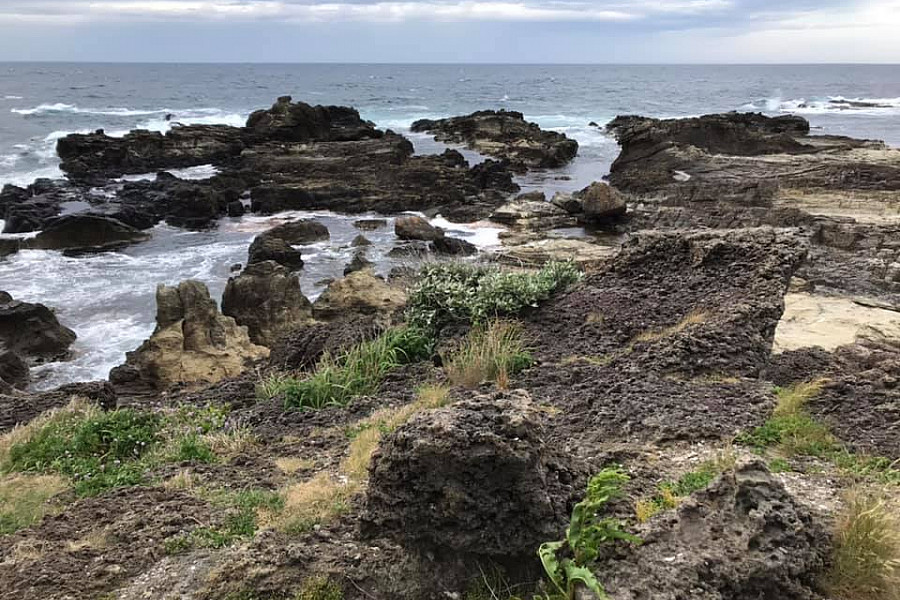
543, 31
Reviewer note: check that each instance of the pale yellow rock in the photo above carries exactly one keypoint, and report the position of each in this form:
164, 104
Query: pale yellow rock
829, 322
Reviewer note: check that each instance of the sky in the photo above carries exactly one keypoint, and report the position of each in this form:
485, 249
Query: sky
539, 31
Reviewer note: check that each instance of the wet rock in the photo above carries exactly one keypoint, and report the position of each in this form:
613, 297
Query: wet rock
192, 343
30, 214
416, 228
236, 208
358, 263
532, 211
140, 151
267, 300
32, 330
453, 247
13, 370
474, 478
289, 121
266, 247
599, 202
303, 231
744, 538
9, 246
360, 292
504, 134
413, 249
360, 241
369, 224
85, 233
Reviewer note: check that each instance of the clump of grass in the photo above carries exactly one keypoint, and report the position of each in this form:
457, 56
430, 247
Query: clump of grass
669, 494
461, 292
357, 372
866, 560
491, 352
693, 318
315, 501
319, 587
25, 499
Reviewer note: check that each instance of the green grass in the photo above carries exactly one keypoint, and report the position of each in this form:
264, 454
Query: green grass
25, 499
490, 352
100, 450
792, 431
466, 293
670, 493
319, 587
241, 521
358, 372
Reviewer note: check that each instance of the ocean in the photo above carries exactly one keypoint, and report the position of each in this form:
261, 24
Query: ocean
108, 299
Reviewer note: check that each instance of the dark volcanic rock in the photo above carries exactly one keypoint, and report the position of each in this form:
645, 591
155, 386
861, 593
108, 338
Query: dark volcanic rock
85, 232
504, 134
453, 246
303, 231
302, 348
744, 538
370, 224
22, 408
13, 370
140, 151
32, 330
266, 298
24, 212
289, 121
266, 247
416, 228
475, 478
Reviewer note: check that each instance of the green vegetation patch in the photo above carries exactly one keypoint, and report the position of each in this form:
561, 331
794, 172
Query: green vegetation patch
670, 493
357, 372
462, 292
490, 352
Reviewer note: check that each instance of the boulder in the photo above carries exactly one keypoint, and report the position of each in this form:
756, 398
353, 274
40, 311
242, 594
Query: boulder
303, 231
453, 247
85, 232
416, 228
236, 208
504, 134
192, 343
370, 224
32, 331
359, 262
360, 292
9, 246
532, 211
597, 203
266, 247
30, 214
360, 241
743, 538
267, 300
473, 478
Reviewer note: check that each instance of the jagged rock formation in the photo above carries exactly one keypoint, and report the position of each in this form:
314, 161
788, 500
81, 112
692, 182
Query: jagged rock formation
267, 300
266, 247
84, 233
743, 538
32, 331
192, 343
360, 292
504, 134
475, 478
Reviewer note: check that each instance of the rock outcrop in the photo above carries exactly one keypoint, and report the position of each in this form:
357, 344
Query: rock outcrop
473, 478
266, 247
504, 134
192, 343
743, 538
532, 211
85, 233
32, 331
289, 121
302, 231
267, 300
360, 292
416, 228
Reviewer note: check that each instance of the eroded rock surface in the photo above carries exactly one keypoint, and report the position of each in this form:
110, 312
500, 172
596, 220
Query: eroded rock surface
32, 330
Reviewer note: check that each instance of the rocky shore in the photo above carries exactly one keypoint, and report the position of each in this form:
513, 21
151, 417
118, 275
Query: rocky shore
694, 395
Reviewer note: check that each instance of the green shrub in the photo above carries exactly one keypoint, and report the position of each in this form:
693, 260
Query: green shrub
357, 372
192, 448
567, 562
490, 352
461, 292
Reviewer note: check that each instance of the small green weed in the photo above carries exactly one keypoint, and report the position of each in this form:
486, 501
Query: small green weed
319, 587
669, 494
567, 562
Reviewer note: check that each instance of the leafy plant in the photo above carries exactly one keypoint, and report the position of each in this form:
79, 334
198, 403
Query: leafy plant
566, 562
461, 292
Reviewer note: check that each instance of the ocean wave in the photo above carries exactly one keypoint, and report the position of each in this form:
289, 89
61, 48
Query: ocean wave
828, 105
12, 98
60, 107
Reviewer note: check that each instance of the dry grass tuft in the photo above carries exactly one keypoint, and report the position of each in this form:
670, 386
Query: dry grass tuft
312, 502
489, 353
231, 442
185, 480
291, 464
866, 563
96, 539
793, 399
693, 318
25, 499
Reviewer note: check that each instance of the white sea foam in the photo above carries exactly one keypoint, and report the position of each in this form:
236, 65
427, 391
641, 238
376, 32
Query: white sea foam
12, 97
60, 107
828, 105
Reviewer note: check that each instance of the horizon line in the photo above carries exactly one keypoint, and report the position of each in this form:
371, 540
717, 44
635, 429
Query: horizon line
449, 63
